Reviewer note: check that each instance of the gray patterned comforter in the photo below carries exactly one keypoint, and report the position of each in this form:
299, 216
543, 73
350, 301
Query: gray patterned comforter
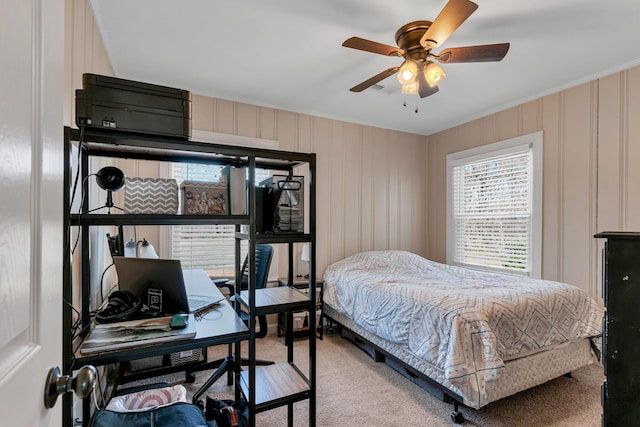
465, 322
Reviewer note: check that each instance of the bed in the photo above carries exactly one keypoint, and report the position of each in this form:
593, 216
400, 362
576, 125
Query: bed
474, 336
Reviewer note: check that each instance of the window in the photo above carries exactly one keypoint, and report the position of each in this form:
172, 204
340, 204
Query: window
202, 246
210, 247
494, 206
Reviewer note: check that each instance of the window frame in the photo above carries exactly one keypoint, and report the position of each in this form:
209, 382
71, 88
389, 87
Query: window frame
534, 142
166, 233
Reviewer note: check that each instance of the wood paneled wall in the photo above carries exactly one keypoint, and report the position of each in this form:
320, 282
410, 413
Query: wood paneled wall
84, 52
371, 190
591, 144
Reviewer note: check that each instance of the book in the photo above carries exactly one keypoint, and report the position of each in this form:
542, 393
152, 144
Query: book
120, 335
236, 179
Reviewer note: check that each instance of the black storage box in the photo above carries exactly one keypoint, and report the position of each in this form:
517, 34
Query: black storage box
283, 204
110, 102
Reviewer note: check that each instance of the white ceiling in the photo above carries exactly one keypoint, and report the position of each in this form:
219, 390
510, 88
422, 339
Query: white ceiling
287, 54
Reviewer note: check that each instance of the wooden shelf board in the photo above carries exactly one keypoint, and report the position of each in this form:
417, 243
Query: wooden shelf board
276, 300
276, 385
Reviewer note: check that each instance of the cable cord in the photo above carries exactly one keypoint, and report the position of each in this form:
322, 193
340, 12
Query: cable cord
101, 283
82, 200
95, 397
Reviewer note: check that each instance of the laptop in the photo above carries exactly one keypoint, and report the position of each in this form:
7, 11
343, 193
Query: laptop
161, 285
201, 291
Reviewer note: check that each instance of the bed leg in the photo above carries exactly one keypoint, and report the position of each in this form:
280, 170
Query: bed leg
332, 326
456, 415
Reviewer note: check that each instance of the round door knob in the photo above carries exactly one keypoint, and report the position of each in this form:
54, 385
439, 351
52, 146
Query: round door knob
82, 384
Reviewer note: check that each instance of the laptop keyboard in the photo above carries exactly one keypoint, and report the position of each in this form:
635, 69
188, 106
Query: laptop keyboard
198, 303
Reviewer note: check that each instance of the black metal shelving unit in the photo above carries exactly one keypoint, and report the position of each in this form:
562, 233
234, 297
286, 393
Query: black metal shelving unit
264, 387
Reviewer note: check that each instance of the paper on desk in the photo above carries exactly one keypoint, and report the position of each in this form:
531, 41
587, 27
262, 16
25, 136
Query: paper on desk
129, 334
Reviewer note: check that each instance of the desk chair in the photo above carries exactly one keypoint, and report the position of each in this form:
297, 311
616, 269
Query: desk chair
264, 254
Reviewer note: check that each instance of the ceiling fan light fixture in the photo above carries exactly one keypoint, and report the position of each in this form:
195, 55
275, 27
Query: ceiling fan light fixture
407, 72
410, 88
433, 73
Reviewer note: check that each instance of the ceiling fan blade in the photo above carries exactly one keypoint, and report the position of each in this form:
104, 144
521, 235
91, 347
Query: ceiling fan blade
450, 18
371, 46
423, 87
483, 53
375, 79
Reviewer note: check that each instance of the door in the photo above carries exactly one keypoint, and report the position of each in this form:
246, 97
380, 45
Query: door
31, 135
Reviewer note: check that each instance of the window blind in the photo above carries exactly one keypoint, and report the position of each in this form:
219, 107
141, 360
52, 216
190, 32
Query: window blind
492, 211
209, 247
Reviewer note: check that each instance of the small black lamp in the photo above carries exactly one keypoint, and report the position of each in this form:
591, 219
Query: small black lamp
111, 179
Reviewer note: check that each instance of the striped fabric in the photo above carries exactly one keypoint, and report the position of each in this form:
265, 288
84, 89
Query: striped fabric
151, 196
151, 398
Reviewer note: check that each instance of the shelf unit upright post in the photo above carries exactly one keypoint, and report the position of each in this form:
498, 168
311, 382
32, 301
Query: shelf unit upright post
312, 296
252, 291
281, 384
85, 271
67, 291
312, 288
264, 388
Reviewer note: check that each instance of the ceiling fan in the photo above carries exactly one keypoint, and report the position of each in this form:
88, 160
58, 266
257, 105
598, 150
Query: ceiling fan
415, 40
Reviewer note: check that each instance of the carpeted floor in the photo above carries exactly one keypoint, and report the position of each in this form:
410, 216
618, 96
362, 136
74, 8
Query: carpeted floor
354, 390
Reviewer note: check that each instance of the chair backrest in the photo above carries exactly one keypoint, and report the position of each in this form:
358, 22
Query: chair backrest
264, 253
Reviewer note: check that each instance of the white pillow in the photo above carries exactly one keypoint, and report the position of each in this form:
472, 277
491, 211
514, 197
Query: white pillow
145, 399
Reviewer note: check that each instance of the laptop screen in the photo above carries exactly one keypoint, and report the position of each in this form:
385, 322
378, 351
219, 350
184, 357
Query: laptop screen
159, 283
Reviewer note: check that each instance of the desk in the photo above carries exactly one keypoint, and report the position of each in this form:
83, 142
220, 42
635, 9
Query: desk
219, 326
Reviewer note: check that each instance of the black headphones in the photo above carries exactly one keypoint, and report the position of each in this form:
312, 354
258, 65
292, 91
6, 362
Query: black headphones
123, 305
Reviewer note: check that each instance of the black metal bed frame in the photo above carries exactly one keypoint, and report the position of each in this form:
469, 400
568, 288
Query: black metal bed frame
416, 377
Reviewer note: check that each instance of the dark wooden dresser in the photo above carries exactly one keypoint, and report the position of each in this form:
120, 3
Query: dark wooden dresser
621, 329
